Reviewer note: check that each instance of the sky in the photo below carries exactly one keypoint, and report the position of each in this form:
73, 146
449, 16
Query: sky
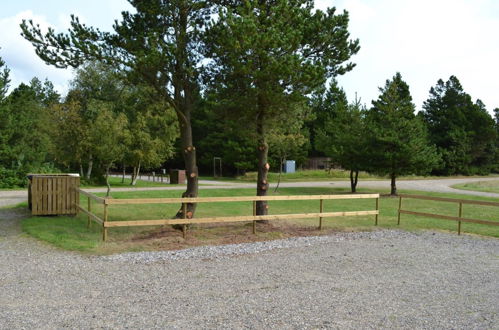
424, 40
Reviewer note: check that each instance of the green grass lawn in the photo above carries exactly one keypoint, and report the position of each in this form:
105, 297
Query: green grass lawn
486, 186
71, 233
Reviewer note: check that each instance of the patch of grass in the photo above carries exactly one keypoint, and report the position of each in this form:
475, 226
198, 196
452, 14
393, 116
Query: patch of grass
333, 175
17, 206
71, 233
485, 186
117, 183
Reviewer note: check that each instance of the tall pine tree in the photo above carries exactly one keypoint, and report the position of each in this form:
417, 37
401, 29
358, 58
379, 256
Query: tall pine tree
399, 143
463, 131
266, 57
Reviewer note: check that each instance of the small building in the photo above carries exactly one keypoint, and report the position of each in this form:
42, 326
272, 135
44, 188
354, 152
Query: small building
318, 163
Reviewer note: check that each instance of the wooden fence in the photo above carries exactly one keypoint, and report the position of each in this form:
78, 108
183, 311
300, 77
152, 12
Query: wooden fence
105, 223
459, 218
53, 194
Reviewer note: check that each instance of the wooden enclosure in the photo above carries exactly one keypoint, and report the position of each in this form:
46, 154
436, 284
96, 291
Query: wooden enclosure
53, 194
106, 223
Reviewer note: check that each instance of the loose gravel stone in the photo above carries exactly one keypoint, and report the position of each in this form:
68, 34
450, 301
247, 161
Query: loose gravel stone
368, 280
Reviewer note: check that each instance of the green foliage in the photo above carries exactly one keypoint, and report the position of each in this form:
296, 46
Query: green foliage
342, 132
25, 144
463, 131
4, 80
266, 56
398, 143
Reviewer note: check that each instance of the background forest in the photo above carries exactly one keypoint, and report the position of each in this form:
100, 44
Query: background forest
254, 93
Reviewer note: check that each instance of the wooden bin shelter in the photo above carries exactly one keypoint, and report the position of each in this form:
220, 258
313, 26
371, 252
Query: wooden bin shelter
53, 194
177, 176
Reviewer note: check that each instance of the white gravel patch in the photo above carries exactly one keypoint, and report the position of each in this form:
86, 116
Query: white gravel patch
371, 280
224, 251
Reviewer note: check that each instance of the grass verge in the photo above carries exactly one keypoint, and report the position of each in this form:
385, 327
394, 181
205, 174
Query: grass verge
485, 186
71, 233
333, 175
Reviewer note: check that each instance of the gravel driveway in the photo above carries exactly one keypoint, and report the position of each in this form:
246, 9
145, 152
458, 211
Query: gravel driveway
382, 279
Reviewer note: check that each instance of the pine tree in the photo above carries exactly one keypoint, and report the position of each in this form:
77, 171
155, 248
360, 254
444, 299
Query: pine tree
266, 57
342, 135
463, 131
156, 44
399, 143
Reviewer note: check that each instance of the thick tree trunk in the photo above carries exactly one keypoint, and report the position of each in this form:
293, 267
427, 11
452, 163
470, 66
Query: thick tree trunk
183, 96
191, 169
262, 184
354, 179
81, 170
124, 174
393, 186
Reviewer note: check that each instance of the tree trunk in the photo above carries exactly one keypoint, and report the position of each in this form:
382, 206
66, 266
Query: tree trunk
354, 179
183, 95
393, 186
107, 181
89, 169
262, 184
191, 169
81, 170
280, 173
124, 173
135, 175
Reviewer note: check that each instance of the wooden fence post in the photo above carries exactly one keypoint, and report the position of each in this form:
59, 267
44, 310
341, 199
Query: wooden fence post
460, 215
89, 210
184, 215
377, 209
321, 208
254, 214
104, 228
400, 206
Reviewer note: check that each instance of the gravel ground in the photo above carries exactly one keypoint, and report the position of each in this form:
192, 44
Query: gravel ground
382, 279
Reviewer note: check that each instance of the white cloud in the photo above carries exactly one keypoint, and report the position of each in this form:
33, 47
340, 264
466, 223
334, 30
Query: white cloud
20, 55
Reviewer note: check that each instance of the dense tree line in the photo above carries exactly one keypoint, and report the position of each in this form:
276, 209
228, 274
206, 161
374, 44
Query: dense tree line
254, 84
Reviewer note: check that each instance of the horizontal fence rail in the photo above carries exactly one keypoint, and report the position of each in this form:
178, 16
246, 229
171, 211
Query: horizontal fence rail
458, 218
105, 223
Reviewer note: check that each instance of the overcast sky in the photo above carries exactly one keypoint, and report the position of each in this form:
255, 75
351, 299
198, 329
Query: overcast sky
424, 40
